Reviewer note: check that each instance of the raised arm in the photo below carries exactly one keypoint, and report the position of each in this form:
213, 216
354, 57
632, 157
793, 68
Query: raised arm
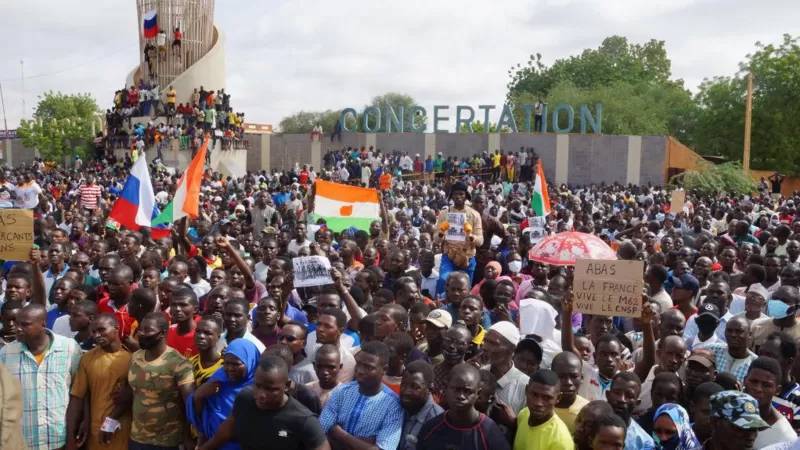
648, 344
38, 295
567, 338
225, 246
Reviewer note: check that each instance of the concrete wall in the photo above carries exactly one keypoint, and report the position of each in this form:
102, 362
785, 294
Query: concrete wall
567, 158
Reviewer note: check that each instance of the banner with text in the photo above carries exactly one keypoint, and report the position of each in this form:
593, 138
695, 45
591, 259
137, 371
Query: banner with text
608, 287
16, 234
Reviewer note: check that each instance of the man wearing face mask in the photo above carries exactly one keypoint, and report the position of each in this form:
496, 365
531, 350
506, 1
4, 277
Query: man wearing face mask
781, 309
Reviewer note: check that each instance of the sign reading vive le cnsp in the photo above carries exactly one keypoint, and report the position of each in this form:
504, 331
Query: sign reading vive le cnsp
389, 119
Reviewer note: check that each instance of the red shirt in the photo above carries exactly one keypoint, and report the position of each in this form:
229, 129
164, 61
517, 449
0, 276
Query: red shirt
183, 343
124, 319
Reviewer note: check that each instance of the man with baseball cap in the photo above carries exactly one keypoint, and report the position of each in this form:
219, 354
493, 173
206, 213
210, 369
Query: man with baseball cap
735, 421
684, 290
701, 368
437, 322
707, 321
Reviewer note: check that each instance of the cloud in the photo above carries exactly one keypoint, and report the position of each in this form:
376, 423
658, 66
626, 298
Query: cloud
287, 56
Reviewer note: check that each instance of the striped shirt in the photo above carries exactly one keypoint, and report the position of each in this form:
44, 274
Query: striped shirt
90, 195
45, 388
727, 363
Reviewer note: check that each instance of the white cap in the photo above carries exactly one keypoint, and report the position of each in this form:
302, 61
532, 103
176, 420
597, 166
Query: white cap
508, 330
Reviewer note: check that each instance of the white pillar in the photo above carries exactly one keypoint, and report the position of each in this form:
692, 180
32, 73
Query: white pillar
634, 159
266, 163
494, 142
316, 154
562, 158
371, 140
430, 145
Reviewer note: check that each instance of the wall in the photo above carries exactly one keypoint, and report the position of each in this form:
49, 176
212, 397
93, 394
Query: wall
567, 158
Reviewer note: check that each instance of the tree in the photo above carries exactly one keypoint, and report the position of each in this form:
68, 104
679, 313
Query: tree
775, 139
304, 121
711, 179
630, 80
61, 126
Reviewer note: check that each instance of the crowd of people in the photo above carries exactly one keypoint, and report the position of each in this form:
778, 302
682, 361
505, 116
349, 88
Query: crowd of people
112, 338
170, 124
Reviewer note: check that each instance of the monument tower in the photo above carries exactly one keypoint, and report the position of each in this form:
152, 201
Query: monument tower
197, 60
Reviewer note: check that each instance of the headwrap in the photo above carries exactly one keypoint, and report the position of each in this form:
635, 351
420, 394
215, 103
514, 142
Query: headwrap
219, 406
685, 439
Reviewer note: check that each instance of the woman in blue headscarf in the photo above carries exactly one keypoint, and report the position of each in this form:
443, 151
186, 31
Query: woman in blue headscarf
212, 402
672, 429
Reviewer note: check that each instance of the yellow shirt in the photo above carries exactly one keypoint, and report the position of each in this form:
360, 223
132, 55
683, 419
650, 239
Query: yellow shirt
99, 374
201, 374
496, 160
568, 415
552, 435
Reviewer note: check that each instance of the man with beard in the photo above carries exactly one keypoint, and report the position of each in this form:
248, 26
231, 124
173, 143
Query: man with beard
735, 422
365, 413
462, 426
161, 381
734, 357
537, 425
499, 344
418, 404
718, 293
624, 398
101, 372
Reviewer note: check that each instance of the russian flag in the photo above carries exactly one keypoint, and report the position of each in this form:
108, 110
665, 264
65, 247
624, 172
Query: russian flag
136, 205
150, 24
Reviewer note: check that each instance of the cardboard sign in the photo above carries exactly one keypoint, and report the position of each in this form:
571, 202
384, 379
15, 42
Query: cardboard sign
311, 271
16, 234
677, 201
608, 287
455, 230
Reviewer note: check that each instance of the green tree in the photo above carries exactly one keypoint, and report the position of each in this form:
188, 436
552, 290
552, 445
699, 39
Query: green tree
630, 80
61, 126
304, 121
775, 138
711, 179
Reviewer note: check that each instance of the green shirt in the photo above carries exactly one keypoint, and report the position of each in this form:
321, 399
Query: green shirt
158, 413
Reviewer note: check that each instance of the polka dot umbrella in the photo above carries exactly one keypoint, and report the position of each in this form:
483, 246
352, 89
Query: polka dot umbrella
563, 249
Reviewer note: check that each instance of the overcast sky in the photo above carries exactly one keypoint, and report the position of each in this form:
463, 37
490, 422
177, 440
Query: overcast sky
287, 56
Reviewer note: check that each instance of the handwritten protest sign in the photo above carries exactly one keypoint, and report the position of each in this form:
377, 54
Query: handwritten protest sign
311, 271
455, 230
608, 287
16, 234
677, 201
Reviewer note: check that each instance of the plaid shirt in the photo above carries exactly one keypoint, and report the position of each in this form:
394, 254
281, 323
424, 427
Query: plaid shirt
45, 388
726, 363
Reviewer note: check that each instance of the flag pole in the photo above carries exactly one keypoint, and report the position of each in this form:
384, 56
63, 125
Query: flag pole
748, 110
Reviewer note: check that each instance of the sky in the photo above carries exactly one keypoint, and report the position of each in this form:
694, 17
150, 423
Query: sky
290, 56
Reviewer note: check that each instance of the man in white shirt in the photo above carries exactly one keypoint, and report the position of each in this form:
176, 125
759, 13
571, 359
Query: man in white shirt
299, 240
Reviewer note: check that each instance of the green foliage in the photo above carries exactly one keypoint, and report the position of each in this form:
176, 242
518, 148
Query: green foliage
478, 127
61, 125
304, 121
775, 138
711, 179
630, 80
